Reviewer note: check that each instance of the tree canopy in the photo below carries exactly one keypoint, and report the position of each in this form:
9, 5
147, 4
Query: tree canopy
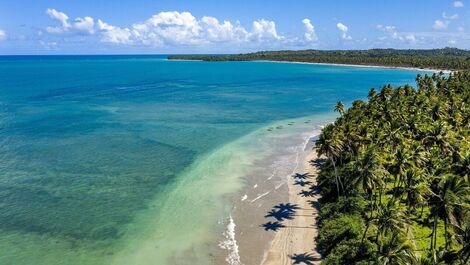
446, 58
400, 164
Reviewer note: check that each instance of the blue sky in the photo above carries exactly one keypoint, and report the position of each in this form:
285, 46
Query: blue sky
209, 26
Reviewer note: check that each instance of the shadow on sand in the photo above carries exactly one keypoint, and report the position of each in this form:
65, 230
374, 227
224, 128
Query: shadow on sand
304, 258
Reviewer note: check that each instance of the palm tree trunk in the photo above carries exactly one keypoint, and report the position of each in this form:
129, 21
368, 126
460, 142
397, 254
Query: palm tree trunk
433, 235
336, 175
445, 233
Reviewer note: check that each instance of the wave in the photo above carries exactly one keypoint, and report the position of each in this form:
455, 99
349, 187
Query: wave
230, 243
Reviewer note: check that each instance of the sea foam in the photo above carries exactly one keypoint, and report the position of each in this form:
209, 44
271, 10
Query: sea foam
230, 244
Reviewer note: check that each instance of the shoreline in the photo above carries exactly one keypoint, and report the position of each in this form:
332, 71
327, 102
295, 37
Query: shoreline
363, 66
297, 240
332, 64
269, 184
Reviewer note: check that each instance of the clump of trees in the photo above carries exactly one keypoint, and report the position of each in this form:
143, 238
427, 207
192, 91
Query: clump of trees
395, 182
446, 58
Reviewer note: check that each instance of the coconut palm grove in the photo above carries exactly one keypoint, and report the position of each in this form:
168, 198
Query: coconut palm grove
395, 180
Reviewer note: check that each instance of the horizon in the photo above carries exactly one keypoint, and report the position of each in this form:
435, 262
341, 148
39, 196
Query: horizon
53, 27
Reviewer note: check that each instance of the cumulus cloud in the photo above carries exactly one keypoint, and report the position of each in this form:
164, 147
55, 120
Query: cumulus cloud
168, 28
114, 34
85, 25
458, 4
309, 34
344, 31
3, 35
264, 30
440, 24
182, 28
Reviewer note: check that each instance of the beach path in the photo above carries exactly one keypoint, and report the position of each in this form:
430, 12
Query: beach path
294, 242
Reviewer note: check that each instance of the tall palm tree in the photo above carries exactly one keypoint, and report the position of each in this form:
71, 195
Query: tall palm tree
330, 144
368, 172
449, 197
339, 107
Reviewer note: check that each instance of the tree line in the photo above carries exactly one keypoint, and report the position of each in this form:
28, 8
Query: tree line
446, 58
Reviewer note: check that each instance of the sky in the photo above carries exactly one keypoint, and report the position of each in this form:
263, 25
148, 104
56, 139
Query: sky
228, 26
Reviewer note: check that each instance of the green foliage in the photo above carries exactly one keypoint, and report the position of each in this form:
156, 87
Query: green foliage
447, 58
341, 228
351, 251
396, 182
344, 205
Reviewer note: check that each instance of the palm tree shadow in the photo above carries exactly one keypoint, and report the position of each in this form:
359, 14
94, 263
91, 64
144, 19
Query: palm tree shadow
304, 258
287, 207
302, 183
272, 226
315, 204
314, 190
317, 162
300, 175
281, 215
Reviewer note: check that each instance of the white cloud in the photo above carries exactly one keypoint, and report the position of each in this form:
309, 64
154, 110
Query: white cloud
182, 28
393, 34
458, 4
461, 29
113, 34
309, 34
452, 17
222, 32
344, 31
85, 25
3, 35
410, 38
60, 16
264, 30
388, 29
440, 24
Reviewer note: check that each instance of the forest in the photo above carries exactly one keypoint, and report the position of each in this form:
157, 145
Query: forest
395, 176
446, 58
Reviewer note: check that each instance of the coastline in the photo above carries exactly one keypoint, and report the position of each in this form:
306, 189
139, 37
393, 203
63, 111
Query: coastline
363, 66
249, 239
297, 241
333, 64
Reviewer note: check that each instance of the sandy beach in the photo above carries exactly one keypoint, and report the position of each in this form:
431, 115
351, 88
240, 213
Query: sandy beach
366, 66
295, 242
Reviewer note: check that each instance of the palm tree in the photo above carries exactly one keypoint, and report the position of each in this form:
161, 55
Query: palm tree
368, 172
339, 107
463, 236
390, 218
330, 144
449, 197
395, 250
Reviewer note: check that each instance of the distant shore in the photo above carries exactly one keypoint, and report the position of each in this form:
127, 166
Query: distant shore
361, 66
333, 64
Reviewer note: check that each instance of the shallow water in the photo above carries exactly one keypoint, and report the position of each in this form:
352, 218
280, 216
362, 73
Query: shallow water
135, 159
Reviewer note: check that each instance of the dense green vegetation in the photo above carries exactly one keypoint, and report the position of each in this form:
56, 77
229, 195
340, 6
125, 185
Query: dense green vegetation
447, 58
395, 181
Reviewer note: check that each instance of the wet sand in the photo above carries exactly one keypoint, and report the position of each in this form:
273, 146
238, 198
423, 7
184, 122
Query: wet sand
295, 243
252, 237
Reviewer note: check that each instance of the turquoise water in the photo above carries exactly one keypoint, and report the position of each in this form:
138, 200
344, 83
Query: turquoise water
97, 152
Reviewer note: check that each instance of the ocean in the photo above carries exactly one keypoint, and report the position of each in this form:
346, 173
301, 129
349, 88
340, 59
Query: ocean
140, 160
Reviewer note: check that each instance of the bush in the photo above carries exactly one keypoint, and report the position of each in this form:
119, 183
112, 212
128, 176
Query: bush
350, 252
334, 231
349, 205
